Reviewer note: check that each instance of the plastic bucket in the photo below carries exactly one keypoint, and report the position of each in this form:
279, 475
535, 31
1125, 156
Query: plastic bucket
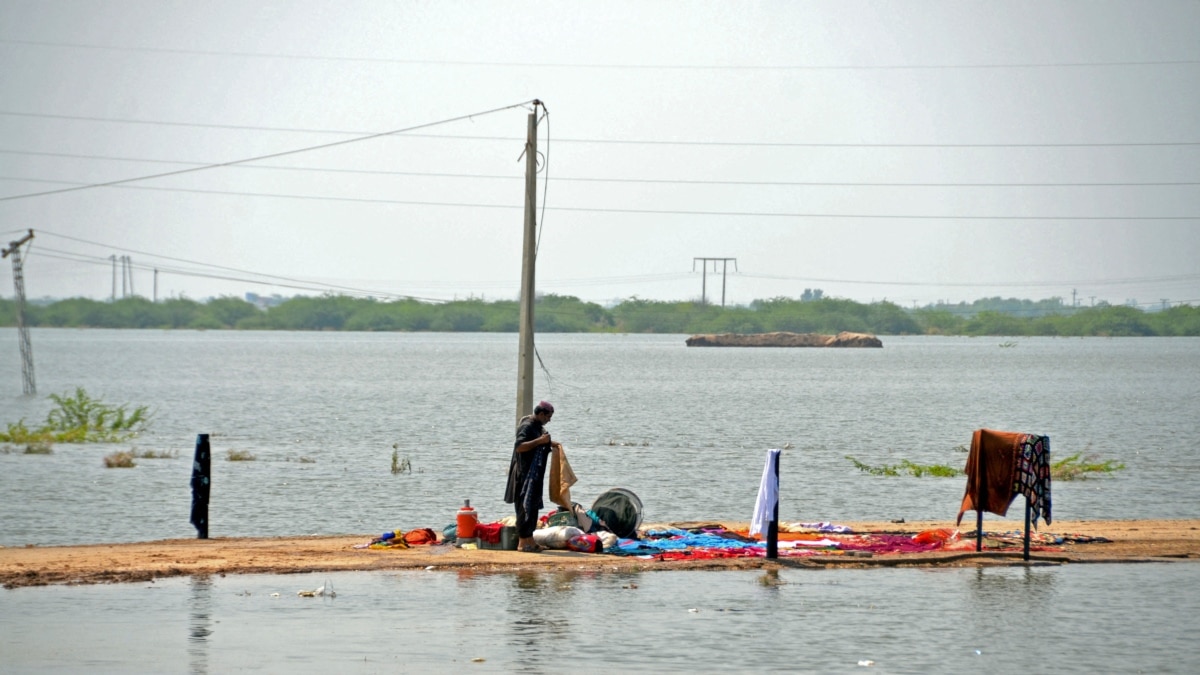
621, 510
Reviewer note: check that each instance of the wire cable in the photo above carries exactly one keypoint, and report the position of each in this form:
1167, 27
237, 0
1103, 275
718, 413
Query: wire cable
231, 269
297, 285
603, 66
561, 179
584, 209
268, 156
545, 182
606, 141
1013, 284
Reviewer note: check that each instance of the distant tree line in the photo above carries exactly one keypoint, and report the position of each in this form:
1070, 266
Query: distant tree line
568, 314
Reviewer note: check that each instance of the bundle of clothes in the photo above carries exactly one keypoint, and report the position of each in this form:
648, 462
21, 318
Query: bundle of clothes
565, 530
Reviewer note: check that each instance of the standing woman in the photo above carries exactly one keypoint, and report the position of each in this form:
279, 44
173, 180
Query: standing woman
527, 471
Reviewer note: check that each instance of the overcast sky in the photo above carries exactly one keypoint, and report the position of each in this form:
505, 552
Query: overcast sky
913, 151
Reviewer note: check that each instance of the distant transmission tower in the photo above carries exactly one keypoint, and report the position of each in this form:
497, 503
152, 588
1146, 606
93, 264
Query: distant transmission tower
704, 276
29, 386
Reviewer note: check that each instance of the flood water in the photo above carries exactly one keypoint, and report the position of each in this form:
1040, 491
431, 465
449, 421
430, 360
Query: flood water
1085, 619
323, 414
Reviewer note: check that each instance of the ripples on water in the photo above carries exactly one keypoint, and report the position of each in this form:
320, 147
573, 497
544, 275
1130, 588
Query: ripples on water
685, 429
1086, 618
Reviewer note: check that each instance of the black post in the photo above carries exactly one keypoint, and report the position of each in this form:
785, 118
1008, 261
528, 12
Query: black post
773, 526
981, 492
979, 530
1027, 511
201, 485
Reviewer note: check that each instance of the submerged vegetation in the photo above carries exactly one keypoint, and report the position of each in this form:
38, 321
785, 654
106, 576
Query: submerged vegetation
120, 460
812, 313
1080, 466
155, 454
907, 467
1075, 467
400, 465
239, 456
79, 418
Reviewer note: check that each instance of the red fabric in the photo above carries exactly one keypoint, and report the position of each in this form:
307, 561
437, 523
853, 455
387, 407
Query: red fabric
585, 543
710, 553
489, 533
420, 537
991, 469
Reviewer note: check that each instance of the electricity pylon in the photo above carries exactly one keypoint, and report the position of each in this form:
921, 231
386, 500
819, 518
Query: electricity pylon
14, 248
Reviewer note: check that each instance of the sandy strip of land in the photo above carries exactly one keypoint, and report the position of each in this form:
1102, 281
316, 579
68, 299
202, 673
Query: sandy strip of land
1131, 541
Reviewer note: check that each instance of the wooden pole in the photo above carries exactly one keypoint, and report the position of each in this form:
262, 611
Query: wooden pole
528, 269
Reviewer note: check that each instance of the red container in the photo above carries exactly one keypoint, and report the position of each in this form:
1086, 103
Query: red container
467, 520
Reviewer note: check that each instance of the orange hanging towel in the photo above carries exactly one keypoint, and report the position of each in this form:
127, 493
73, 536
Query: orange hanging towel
991, 468
561, 477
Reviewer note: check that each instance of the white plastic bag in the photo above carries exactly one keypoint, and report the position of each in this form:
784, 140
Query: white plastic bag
607, 539
557, 536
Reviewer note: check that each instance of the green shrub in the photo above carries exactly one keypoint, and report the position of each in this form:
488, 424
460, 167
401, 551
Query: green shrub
79, 418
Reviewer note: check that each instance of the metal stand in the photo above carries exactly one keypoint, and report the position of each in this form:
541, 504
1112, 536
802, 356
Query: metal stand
1027, 511
773, 526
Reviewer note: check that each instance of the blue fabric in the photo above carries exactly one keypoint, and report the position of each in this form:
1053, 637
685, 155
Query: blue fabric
675, 540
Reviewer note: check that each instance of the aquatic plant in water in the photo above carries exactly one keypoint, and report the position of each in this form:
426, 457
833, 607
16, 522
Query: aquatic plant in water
155, 454
1081, 467
905, 466
400, 465
120, 460
1075, 467
79, 418
239, 456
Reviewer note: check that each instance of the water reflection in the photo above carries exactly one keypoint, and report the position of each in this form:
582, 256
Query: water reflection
1012, 585
200, 623
546, 608
1001, 600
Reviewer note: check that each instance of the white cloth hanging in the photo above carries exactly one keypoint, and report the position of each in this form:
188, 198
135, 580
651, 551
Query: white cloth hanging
768, 495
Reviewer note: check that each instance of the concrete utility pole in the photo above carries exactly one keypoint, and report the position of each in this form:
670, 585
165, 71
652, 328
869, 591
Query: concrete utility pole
704, 276
113, 258
128, 274
528, 270
29, 386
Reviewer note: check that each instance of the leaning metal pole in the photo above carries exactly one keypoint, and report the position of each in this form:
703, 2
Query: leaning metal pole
29, 386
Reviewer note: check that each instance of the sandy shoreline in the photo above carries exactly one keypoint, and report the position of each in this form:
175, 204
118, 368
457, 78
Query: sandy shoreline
1131, 541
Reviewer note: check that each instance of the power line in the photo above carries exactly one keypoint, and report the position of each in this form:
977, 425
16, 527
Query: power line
1014, 284
603, 141
230, 269
583, 209
580, 209
862, 216
602, 66
299, 285
584, 179
269, 156
651, 277
43, 252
